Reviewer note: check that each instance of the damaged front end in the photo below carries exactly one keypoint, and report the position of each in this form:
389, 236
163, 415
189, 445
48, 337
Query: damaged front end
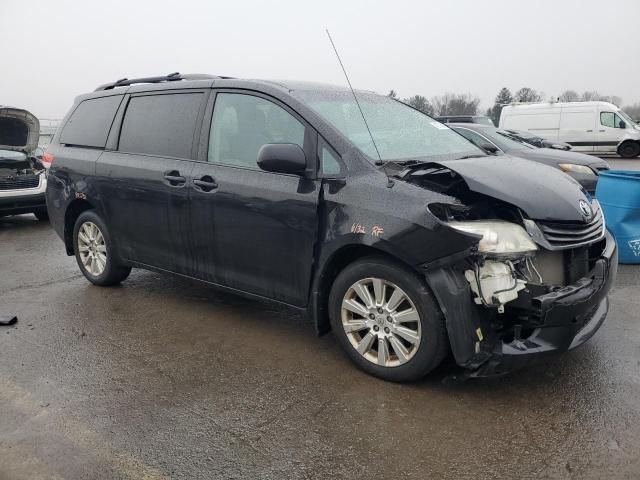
538, 279
22, 174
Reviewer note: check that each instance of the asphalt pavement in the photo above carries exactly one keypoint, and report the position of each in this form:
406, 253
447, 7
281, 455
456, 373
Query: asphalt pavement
162, 377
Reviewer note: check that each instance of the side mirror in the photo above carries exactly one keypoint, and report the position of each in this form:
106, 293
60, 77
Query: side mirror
623, 124
489, 148
282, 158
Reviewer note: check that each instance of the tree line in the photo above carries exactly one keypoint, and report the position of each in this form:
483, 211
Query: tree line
468, 104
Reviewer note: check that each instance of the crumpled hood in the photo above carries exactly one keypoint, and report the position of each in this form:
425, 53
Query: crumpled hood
542, 192
552, 156
19, 130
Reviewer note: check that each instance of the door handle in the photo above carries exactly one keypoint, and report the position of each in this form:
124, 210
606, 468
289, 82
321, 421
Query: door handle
602, 130
174, 178
589, 130
205, 183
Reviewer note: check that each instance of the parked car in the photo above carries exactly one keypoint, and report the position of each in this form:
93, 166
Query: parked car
22, 178
584, 168
405, 246
539, 142
481, 119
590, 127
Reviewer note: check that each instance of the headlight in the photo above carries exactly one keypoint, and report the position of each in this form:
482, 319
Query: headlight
573, 168
498, 237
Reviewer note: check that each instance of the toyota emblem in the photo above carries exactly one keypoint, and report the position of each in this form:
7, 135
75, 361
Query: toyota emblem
585, 209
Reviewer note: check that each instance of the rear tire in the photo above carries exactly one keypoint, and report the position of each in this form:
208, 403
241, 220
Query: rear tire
386, 320
42, 215
95, 252
629, 149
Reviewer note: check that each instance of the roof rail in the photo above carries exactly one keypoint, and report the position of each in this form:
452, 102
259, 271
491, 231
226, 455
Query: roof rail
172, 77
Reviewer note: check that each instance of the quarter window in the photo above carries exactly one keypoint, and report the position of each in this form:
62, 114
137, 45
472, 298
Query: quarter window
329, 164
90, 122
241, 124
160, 124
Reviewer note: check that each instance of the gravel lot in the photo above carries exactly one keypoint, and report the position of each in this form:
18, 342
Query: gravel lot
165, 378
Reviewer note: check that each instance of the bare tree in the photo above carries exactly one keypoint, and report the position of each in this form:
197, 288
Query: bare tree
419, 103
633, 111
526, 94
617, 101
455, 104
590, 96
392, 93
569, 96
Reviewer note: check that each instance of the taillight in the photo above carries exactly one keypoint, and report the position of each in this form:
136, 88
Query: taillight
47, 159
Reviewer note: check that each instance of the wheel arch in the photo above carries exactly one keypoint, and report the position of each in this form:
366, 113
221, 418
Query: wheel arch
626, 142
73, 211
330, 269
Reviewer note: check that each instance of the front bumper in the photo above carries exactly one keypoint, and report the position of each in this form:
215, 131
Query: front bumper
27, 200
570, 316
565, 319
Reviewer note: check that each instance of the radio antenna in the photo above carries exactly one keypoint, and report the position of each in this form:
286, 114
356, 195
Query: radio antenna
355, 97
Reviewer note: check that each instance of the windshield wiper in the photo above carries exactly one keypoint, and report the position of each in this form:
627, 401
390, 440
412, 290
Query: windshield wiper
475, 155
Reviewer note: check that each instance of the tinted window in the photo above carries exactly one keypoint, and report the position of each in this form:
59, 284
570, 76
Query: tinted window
90, 122
242, 124
160, 124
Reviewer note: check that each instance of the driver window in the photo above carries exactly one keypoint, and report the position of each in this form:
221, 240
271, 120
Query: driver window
607, 119
241, 124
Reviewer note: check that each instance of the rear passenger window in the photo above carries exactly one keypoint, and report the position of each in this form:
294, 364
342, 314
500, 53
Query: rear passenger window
242, 124
90, 122
160, 124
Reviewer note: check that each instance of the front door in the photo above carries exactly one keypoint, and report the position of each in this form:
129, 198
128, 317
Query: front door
610, 132
253, 230
145, 182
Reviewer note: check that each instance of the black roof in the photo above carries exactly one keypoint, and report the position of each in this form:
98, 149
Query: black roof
192, 77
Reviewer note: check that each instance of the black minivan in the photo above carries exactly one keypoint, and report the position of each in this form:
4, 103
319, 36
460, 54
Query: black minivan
382, 223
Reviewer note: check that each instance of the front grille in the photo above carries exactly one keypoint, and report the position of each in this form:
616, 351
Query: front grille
19, 182
564, 235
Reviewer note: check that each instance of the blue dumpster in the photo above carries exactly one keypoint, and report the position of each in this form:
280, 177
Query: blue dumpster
618, 192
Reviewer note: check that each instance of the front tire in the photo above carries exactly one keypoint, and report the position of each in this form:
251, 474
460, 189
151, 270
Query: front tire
629, 149
94, 251
387, 320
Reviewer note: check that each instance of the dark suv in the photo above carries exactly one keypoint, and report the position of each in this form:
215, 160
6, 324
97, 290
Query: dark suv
406, 241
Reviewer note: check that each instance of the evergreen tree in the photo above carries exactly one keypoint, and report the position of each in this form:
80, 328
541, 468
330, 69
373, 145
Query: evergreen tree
503, 98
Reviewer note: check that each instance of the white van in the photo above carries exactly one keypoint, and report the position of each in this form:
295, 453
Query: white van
590, 127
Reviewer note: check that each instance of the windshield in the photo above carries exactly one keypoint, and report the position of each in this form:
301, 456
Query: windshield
399, 131
504, 140
484, 121
626, 117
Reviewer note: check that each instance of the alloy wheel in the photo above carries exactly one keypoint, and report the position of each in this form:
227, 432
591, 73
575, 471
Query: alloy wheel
92, 248
381, 322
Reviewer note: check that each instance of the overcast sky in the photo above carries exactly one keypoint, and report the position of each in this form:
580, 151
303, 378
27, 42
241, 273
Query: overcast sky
54, 50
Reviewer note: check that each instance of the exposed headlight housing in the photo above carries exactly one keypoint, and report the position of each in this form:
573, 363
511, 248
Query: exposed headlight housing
498, 237
573, 168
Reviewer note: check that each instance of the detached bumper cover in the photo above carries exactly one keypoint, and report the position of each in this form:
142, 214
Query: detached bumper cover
568, 317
